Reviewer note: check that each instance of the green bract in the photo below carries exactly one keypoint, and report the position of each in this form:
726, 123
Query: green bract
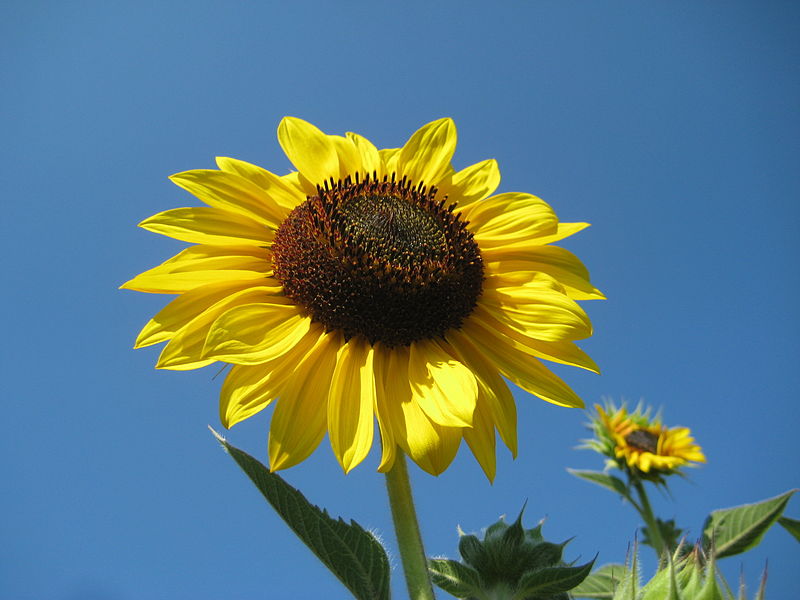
509, 563
691, 576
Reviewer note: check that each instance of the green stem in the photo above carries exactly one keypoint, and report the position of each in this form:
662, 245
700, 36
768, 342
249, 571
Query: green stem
406, 526
646, 511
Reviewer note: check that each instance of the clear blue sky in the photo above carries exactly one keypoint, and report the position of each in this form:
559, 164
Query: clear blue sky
672, 127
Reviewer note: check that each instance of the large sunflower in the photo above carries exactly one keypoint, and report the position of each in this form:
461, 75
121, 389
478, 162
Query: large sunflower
370, 284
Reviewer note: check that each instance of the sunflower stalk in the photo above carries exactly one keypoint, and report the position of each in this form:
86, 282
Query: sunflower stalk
646, 511
406, 525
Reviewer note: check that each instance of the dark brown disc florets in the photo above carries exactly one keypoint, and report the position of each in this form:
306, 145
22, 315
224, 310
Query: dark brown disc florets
643, 440
382, 259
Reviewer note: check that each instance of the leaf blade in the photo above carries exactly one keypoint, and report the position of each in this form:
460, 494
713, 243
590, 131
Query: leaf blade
615, 484
350, 552
737, 529
602, 583
791, 525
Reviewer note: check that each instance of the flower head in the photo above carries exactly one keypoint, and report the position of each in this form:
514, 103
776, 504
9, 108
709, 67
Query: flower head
641, 444
370, 284
509, 562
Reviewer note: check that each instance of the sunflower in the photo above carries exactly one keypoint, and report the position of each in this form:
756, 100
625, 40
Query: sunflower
644, 444
370, 284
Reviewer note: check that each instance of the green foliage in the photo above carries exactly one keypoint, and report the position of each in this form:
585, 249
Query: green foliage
509, 563
630, 583
456, 579
615, 484
671, 534
602, 583
550, 581
735, 530
791, 525
351, 553
663, 586
685, 576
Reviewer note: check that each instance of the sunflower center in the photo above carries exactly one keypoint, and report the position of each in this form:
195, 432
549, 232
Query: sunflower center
643, 440
382, 259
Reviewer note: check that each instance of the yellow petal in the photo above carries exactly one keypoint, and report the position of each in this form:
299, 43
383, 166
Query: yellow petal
300, 418
540, 308
442, 386
521, 368
507, 218
493, 393
558, 263
472, 184
178, 313
249, 389
208, 225
185, 349
520, 248
481, 440
349, 156
231, 192
351, 403
431, 446
257, 332
280, 192
202, 265
425, 158
434, 446
566, 353
370, 159
299, 184
382, 411
311, 151
389, 157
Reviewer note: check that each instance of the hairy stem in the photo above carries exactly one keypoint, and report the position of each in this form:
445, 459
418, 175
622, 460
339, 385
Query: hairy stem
646, 511
406, 526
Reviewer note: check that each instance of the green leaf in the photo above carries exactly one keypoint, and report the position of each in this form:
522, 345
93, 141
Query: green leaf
615, 484
601, 583
551, 580
670, 534
735, 530
352, 554
792, 526
455, 578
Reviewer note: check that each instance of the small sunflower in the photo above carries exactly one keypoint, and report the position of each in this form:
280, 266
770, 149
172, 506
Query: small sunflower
370, 284
644, 444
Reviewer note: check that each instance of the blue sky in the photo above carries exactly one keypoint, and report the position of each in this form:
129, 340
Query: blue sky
671, 127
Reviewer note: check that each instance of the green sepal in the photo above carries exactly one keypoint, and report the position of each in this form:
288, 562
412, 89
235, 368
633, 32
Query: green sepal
628, 588
735, 530
602, 583
691, 580
791, 525
710, 589
663, 586
762, 588
551, 581
471, 550
351, 553
456, 579
615, 484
